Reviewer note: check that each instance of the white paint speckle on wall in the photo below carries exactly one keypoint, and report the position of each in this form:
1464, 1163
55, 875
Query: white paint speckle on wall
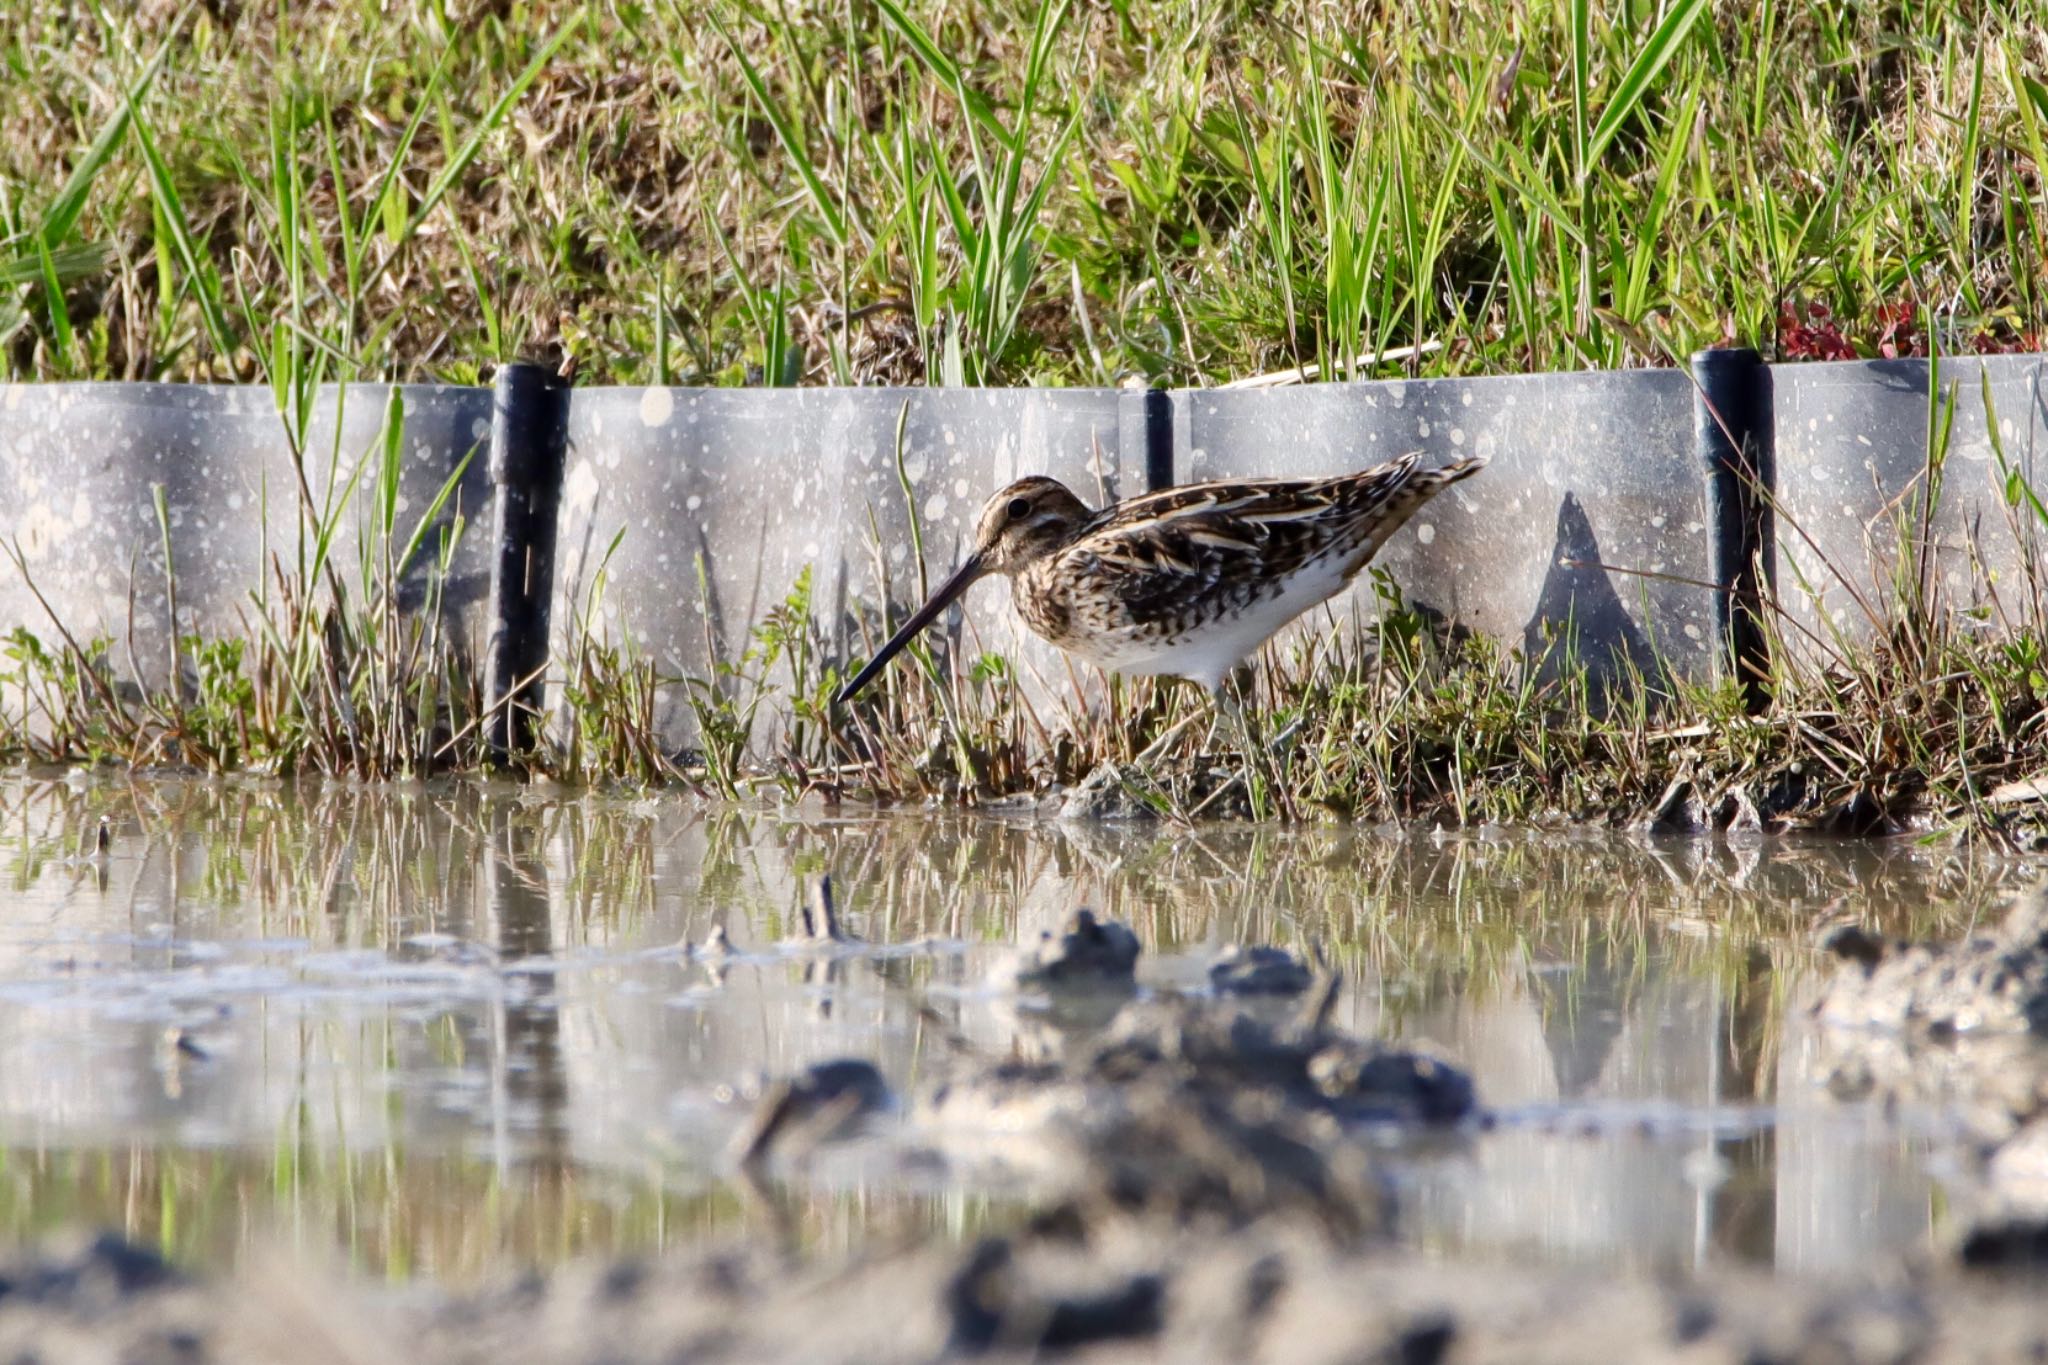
579, 490
657, 405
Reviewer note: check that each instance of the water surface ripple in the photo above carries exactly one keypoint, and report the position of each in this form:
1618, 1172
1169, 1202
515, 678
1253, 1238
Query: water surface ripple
451, 1028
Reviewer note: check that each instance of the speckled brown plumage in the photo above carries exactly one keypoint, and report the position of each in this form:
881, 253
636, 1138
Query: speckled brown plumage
1162, 567
1186, 581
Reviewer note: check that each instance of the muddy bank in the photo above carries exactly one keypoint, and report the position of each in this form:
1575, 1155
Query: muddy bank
1271, 1292
1957, 1030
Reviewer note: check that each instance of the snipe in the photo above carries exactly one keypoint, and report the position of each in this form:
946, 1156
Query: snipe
1187, 581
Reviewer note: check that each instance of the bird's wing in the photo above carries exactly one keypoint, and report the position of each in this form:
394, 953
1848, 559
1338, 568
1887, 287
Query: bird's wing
1201, 549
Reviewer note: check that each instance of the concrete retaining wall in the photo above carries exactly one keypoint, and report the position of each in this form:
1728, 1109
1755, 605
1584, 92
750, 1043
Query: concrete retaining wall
760, 485
1852, 455
1588, 469
78, 463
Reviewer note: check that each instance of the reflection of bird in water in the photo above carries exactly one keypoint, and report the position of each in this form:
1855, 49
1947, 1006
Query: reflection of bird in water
1187, 581
824, 1101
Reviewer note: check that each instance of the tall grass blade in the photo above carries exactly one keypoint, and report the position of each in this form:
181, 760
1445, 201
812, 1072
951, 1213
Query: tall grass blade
53, 301
1657, 51
200, 275
459, 160
821, 197
945, 69
1963, 234
69, 202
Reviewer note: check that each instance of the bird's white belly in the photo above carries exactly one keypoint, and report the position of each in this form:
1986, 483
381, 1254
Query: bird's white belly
1206, 653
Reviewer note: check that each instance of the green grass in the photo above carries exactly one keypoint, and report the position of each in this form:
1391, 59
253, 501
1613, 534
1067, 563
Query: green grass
1034, 192
1009, 192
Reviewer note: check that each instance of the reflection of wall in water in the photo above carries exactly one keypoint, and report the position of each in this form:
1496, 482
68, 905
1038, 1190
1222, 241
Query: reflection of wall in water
1592, 1064
347, 1027
1555, 1036
1848, 1179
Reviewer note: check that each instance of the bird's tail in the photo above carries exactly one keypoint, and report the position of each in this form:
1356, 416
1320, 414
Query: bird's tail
1405, 498
1426, 484
1458, 469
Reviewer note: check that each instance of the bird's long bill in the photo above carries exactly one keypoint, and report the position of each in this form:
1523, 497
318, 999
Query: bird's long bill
963, 577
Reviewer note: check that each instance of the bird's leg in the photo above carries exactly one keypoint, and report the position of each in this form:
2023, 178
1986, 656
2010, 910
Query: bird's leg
1225, 716
1230, 714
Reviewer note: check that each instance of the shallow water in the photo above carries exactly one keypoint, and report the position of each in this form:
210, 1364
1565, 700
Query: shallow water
448, 1029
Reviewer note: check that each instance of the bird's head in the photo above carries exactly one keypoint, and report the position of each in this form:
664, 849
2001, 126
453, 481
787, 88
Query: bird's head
1025, 521
1028, 519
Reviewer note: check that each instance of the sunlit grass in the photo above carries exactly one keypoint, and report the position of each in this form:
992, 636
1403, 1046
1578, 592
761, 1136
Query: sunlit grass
1026, 191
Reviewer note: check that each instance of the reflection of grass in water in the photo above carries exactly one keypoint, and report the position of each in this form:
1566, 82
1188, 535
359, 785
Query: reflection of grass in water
397, 1213
357, 866
1458, 920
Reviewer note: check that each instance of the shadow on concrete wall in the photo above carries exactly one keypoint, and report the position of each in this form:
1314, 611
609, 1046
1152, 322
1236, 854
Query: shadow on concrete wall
1578, 602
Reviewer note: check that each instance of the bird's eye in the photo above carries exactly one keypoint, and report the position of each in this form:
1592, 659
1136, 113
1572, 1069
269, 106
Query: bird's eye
1019, 509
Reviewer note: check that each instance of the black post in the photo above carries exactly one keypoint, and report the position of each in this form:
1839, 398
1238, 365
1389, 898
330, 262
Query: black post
529, 445
1145, 430
1735, 431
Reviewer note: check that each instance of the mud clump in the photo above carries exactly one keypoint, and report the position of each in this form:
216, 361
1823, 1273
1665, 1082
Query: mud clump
1258, 970
1182, 1111
1958, 1027
1995, 982
1109, 792
1272, 1292
820, 1103
1086, 953
1961, 1030
88, 1278
990, 1304
1302, 1063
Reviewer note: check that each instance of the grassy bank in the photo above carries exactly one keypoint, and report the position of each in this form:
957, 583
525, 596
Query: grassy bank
1924, 712
1047, 193
1010, 191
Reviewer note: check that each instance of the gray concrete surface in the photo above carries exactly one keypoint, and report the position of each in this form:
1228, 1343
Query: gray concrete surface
757, 487
1588, 470
77, 467
1852, 461
1591, 515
